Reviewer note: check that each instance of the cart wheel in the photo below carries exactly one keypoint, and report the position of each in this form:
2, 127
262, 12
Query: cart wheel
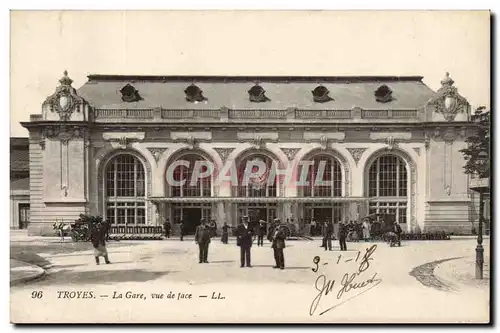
74, 237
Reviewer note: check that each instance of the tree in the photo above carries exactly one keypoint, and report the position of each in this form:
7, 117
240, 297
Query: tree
478, 142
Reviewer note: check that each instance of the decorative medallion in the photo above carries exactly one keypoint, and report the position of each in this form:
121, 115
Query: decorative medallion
157, 153
356, 153
290, 152
417, 150
224, 153
448, 101
65, 99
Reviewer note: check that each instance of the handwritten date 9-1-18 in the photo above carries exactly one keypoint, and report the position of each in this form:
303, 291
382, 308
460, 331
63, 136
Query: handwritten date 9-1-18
348, 282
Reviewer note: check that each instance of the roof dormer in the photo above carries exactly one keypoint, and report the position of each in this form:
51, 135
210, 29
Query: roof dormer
320, 94
130, 94
194, 94
383, 94
257, 94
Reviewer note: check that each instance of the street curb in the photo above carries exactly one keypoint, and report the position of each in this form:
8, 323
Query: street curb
39, 272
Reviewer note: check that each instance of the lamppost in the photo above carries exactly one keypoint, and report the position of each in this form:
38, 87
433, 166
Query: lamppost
481, 187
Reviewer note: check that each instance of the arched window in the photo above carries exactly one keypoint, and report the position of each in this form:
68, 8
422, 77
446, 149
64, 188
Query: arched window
201, 187
324, 177
125, 190
256, 186
388, 186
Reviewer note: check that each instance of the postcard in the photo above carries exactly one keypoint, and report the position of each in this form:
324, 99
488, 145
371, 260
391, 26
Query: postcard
250, 167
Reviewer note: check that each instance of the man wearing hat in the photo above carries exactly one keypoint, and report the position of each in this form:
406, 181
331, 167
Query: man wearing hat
278, 244
244, 239
202, 238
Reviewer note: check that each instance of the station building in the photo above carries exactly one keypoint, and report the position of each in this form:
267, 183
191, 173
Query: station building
382, 144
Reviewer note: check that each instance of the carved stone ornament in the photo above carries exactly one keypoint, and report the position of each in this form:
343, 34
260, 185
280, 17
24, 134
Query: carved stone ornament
157, 153
448, 135
427, 141
191, 142
356, 153
391, 142
290, 152
324, 142
224, 153
448, 101
65, 99
417, 150
41, 142
258, 143
62, 133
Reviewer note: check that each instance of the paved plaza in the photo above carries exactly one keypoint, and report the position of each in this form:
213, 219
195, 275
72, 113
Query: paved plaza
412, 283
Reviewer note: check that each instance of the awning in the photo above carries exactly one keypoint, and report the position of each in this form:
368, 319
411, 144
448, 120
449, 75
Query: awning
258, 199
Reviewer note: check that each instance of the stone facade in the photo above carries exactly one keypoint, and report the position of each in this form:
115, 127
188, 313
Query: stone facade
157, 120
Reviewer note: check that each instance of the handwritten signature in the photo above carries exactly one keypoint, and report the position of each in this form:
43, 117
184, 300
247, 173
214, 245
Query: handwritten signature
348, 283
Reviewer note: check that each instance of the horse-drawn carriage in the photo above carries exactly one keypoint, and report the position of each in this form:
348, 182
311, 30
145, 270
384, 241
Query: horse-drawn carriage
382, 228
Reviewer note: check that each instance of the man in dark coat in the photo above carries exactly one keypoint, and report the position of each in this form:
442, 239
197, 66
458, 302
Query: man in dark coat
202, 238
278, 244
342, 236
327, 235
98, 239
397, 230
261, 233
166, 228
225, 233
244, 239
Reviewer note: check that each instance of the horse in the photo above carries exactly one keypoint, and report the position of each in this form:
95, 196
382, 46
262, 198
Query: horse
61, 228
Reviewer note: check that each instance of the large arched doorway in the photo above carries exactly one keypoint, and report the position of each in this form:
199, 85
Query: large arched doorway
387, 186
125, 190
186, 187
320, 176
258, 186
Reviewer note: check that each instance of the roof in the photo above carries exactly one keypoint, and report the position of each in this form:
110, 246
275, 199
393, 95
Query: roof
103, 92
20, 184
19, 142
19, 154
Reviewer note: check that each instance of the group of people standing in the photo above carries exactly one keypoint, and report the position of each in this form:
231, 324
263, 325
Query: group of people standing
328, 235
245, 235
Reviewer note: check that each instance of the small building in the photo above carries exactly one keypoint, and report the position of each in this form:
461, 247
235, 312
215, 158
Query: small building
19, 183
382, 144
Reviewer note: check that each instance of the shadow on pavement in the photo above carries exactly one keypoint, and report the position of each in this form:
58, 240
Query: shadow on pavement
73, 278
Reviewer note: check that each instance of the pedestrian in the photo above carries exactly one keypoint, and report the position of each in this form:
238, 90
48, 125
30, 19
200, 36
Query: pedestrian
167, 228
202, 238
261, 233
225, 233
327, 235
244, 239
98, 239
366, 230
397, 230
342, 236
213, 228
278, 244
181, 227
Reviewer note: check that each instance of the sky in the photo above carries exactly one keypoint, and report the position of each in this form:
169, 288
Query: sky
427, 43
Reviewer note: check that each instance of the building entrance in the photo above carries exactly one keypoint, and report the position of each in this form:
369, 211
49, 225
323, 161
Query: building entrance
191, 215
256, 212
321, 213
